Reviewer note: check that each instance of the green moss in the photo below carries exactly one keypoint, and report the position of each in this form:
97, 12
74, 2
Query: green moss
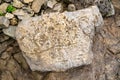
10, 9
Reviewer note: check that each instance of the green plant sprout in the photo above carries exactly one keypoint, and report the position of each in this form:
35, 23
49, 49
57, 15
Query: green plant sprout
10, 9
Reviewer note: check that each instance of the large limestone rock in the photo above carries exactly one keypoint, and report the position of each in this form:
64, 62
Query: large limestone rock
59, 41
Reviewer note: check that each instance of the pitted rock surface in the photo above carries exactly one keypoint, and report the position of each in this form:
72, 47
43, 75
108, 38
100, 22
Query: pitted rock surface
59, 41
106, 7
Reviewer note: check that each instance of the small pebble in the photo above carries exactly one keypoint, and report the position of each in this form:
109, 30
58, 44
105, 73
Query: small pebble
71, 7
36, 5
9, 15
19, 12
3, 7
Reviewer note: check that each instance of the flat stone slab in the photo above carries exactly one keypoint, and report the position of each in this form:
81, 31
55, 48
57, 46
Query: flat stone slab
59, 41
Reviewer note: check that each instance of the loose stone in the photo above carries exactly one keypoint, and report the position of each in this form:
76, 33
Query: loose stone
59, 41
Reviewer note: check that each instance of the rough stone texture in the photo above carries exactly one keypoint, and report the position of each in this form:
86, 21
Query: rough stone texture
105, 6
21, 14
106, 63
59, 41
4, 22
10, 31
106, 60
36, 5
116, 3
3, 7
17, 3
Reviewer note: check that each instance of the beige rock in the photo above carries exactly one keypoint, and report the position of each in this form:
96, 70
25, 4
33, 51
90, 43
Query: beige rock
51, 3
9, 15
105, 6
58, 7
59, 41
71, 7
36, 5
21, 14
17, 3
3, 7
10, 31
28, 10
27, 1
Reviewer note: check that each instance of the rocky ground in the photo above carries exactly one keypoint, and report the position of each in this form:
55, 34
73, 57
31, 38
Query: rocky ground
106, 47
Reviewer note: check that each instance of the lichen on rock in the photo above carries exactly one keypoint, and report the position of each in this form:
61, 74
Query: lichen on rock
59, 41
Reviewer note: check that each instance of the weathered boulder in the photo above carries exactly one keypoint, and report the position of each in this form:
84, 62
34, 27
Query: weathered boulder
59, 41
